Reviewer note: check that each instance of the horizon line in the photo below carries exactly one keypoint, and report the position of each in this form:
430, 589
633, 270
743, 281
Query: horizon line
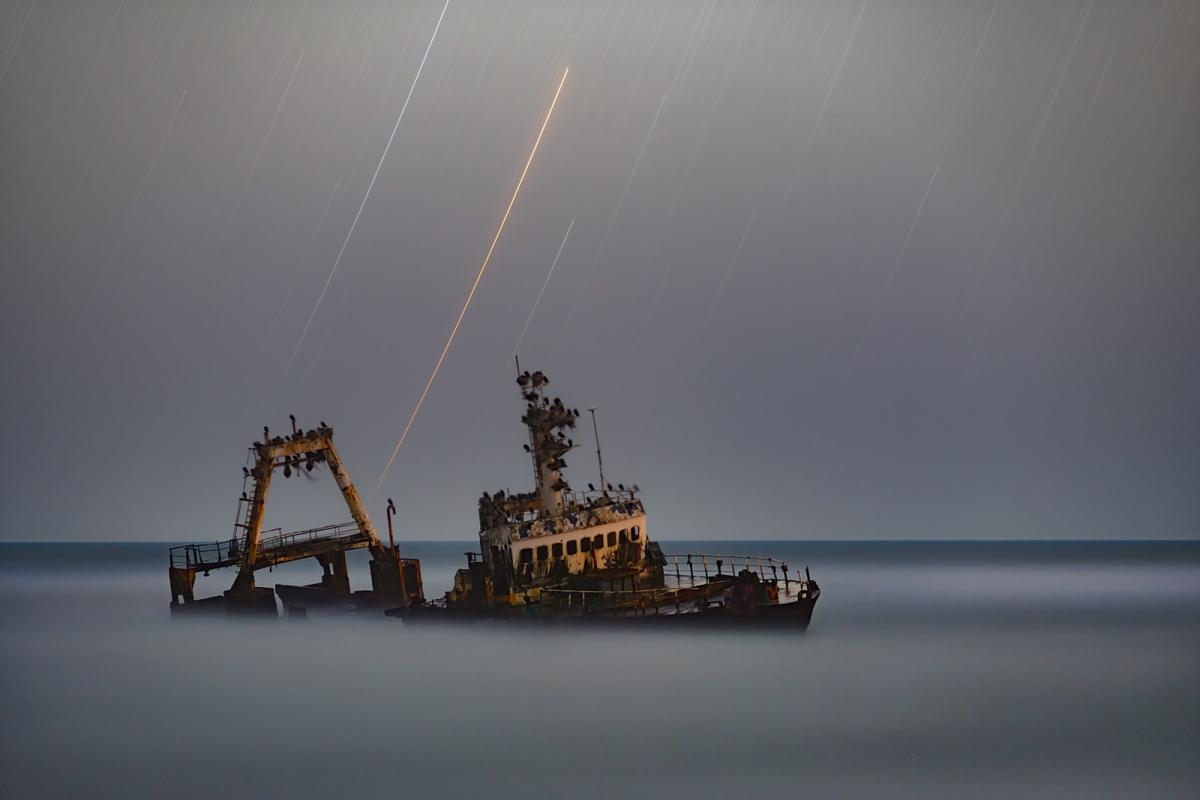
859, 540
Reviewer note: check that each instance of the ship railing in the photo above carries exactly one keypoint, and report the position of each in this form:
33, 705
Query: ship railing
691, 569
218, 554
577, 503
681, 589
646, 602
280, 540
597, 498
208, 554
619, 601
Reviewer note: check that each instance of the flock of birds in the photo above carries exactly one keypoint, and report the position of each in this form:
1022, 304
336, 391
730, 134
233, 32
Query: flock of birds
301, 463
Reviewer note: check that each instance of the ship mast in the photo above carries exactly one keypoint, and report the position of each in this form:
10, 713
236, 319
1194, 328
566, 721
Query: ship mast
599, 459
547, 421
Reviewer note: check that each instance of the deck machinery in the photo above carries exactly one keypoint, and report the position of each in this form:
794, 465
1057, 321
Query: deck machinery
395, 581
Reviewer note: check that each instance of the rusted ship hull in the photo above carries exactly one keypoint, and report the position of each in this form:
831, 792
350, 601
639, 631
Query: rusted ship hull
795, 614
551, 555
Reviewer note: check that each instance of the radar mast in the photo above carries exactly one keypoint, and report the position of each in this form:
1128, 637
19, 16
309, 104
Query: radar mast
548, 420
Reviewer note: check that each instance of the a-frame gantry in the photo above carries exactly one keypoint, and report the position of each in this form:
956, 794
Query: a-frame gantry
393, 579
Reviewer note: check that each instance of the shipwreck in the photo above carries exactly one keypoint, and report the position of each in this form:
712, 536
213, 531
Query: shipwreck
549, 555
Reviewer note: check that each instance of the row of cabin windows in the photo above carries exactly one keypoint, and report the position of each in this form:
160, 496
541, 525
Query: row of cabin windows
574, 546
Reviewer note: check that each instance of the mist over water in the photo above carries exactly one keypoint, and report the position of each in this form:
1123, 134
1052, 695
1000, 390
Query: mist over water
931, 669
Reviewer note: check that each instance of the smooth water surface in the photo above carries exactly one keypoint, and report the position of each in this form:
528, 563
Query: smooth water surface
931, 670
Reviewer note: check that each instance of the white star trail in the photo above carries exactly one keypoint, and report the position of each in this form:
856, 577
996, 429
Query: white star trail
729, 64
701, 28
618, 119
718, 93
617, 211
821, 39
962, 87
516, 348
542, 291
978, 48
1047, 215
1179, 105
679, 71
712, 307
1012, 196
370, 186
12, 50
824, 103
137, 200
312, 241
478, 277
254, 168
892, 273
254, 126
1082, 127
183, 37
91, 74
470, 102
1037, 137
387, 92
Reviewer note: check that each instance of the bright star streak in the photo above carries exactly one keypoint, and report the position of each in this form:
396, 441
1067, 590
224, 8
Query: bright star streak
366, 196
474, 286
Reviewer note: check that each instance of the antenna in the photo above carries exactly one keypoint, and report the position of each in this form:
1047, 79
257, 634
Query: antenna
599, 459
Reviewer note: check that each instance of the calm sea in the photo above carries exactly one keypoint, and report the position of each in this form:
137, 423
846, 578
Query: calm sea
931, 670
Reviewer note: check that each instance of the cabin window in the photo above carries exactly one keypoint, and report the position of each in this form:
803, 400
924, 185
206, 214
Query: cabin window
585, 544
543, 552
612, 538
556, 550
598, 541
572, 547
624, 536
526, 555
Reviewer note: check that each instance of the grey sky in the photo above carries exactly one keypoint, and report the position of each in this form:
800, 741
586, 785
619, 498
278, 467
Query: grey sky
965, 300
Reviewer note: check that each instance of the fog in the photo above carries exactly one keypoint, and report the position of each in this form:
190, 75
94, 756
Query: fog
932, 670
